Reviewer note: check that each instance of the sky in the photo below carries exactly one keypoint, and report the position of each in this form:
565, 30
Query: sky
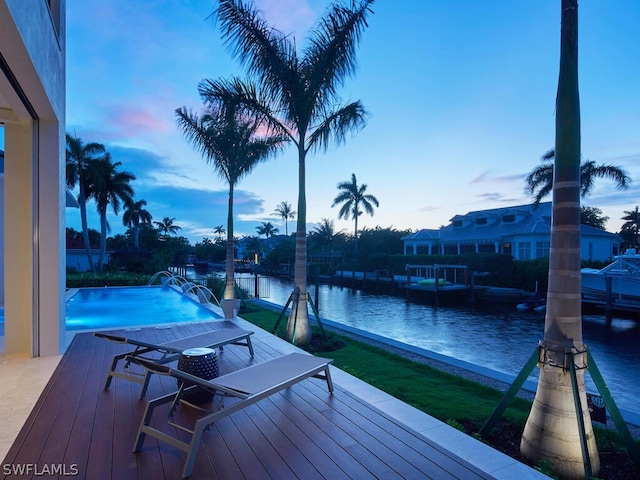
460, 95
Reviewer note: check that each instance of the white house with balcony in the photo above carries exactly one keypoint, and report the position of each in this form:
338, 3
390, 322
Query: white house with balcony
32, 113
523, 231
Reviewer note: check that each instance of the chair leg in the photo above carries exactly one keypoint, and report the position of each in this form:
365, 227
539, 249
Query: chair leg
114, 365
194, 445
145, 384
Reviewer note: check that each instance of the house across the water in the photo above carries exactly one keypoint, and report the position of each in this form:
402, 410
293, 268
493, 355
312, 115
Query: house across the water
523, 231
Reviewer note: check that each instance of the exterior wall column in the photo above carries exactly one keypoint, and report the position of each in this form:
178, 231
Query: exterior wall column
34, 219
18, 253
51, 237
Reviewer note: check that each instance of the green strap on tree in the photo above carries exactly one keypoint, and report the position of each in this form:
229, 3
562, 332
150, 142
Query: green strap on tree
600, 384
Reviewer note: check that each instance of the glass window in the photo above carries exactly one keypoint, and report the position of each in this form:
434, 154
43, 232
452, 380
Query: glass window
524, 251
542, 249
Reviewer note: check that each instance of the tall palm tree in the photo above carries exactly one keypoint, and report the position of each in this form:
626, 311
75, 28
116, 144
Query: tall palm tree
232, 143
78, 163
353, 196
297, 96
135, 215
551, 431
109, 187
539, 182
167, 227
285, 211
267, 229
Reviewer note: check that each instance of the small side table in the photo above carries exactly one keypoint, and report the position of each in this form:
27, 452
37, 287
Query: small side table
203, 363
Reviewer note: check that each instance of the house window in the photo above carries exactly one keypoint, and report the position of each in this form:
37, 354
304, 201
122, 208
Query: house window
481, 221
542, 249
524, 251
510, 218
457, 223
423, 250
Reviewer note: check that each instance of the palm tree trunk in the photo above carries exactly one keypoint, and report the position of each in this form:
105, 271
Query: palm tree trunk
103, 239
82, 201
229, 287
135, 237
355, 237
298, 328
552, 431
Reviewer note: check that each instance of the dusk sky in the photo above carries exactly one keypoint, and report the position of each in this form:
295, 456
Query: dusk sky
461, 97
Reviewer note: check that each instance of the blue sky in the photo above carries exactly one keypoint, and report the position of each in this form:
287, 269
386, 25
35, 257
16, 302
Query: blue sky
460, 94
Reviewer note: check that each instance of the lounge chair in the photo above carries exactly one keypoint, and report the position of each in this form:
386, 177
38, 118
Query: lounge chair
170, 351
246, 386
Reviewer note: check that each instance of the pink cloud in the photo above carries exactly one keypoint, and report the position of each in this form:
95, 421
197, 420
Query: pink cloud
126, 122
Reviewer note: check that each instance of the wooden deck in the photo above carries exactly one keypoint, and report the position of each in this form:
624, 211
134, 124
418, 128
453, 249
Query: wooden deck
302, 432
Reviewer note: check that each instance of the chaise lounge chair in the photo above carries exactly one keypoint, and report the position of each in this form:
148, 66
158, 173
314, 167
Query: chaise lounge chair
170, 351
246, 386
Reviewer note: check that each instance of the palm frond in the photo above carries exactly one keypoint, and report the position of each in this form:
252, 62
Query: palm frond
337, 125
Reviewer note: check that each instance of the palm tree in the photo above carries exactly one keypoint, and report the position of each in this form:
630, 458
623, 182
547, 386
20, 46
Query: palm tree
219, 231
551, 431
232, 144
267, 229
539, 182
108, 187
353, 197
79, 159
135, 215
285, 211
297, 96
630, 229
324, 234
166, 227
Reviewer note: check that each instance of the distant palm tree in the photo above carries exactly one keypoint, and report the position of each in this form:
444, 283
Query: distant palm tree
166, 227
135, 215
285, 211
630, 229
251, 246
109, 187
79, 160
219, 231
267, 229
539, 182
233, 145
353, 197
324, 234
296, 96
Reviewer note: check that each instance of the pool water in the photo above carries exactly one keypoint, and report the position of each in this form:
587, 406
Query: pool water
126, 307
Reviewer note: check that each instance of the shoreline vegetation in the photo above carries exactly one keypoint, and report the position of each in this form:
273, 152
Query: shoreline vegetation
458, 397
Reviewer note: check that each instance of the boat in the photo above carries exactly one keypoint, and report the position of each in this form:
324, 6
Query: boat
624, 277
536, 304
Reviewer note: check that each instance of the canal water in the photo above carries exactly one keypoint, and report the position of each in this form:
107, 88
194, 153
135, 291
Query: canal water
496, 337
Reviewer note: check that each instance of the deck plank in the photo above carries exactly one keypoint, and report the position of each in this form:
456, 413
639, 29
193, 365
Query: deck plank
302, 432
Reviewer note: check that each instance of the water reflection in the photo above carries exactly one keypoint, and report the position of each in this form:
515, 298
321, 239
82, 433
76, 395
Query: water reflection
499, 338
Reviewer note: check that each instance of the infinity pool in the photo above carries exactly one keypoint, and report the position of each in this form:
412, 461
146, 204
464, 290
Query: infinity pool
125, 307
